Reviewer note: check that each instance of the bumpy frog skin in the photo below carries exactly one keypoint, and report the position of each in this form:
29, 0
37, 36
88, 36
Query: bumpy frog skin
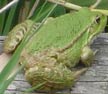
51, 56
12, 42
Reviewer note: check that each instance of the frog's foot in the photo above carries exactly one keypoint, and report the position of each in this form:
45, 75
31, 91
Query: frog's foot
16, 35
77, 72
87, 56
53, 78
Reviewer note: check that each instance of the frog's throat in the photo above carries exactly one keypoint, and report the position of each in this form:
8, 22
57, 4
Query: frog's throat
72, 43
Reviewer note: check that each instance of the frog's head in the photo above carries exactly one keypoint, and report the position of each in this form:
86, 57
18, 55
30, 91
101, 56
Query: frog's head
92, 29
98, 25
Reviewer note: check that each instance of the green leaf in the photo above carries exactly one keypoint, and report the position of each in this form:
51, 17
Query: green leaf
103, 4
59, 10
42, 11
35, 87
6, 83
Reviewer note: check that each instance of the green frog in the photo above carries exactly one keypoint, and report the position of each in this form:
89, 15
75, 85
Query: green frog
53, 54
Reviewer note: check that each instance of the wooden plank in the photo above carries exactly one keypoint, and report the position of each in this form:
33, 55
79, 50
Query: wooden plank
1, 42
2, 38
94, 81
1, 47
91, 88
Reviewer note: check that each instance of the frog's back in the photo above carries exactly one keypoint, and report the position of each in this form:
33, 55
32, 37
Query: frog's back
60, 31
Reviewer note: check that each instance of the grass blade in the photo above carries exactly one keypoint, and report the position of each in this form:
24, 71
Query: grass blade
4, 85
35, 87
41, 12
9, 20
2, 16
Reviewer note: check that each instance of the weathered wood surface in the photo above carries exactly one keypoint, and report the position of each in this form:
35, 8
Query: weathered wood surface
94, 81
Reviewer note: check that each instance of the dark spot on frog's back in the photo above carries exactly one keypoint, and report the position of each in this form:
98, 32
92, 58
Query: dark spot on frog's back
58, 37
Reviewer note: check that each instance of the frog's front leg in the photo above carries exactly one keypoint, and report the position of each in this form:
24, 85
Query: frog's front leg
87, 56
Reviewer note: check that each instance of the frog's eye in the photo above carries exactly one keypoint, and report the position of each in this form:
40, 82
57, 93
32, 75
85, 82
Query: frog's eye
97, 19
